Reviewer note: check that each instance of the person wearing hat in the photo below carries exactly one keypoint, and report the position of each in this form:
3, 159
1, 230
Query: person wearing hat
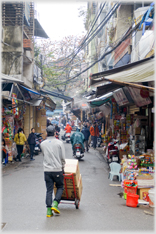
53, 163
94, 132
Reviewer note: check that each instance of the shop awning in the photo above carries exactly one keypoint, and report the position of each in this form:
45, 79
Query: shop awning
140, 71
77, 112
39, 31
36, 102
26, 95
55, 94
49, 104
6, 78
114, 85
30, 90
104, 89
96, 102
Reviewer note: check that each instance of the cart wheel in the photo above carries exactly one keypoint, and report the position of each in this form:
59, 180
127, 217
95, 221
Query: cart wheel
77, 203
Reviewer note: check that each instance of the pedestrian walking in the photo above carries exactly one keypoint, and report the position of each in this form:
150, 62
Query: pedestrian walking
86, 134
32, 142
20, 140
64, 121
94, 131
53, 163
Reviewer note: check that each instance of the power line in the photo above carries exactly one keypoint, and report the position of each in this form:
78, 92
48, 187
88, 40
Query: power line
104, 55
104, 21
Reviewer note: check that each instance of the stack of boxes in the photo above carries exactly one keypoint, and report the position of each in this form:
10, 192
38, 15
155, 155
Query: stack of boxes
72, 166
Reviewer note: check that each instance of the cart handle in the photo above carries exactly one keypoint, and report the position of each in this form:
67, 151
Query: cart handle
68, 174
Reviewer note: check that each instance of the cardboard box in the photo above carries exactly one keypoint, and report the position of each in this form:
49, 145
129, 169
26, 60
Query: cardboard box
137, 131
70, 191
143, 192
72, 166
122, 153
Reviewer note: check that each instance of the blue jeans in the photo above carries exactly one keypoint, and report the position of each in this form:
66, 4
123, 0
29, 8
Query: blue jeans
50, 178
94, 139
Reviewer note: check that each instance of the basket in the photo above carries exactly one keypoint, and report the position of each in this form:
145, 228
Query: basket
130, 189
132, 200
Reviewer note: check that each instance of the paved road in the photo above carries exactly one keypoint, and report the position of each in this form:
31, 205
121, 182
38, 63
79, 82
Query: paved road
101, 209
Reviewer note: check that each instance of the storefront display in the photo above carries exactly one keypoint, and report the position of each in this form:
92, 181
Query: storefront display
7, 130
12, 119
138, 170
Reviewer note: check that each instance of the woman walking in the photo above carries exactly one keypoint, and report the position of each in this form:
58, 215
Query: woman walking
19, 139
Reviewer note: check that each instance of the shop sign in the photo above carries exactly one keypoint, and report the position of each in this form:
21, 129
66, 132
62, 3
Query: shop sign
144, 93
84, 105
117, 117
139, 101
120, 97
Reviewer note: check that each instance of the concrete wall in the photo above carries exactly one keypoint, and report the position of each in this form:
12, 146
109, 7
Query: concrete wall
123, 22
13, 54
12, 58
28, 68
41, 122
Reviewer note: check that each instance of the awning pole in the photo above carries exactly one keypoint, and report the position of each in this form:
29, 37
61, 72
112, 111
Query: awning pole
11, 90
151, 89
17, 99
20, 91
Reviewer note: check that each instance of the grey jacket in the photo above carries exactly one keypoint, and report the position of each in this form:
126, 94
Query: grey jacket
54, 154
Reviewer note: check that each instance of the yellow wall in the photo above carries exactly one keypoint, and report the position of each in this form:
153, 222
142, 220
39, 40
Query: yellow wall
41, 122
27, 121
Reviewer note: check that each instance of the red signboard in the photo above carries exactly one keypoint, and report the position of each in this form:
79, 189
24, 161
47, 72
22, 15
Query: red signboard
138, 99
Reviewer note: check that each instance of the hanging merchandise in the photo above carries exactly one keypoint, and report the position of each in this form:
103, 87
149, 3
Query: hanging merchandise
8, 124
14, 104
132, 164
123, 132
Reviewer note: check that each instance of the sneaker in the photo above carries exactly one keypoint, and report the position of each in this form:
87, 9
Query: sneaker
55, 207
32, 159
49, 212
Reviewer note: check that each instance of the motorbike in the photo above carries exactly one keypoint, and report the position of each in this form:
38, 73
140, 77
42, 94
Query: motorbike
112, 154
99, 141
38, 141
37, 148
78, 151
57, 135
67, 137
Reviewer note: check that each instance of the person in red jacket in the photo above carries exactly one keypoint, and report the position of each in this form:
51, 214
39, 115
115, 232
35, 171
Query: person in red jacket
94, 132
67, 129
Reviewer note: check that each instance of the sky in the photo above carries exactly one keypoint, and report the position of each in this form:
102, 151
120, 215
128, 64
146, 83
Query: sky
60, 18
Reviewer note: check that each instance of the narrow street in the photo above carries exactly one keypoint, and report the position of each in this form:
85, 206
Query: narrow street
101, 209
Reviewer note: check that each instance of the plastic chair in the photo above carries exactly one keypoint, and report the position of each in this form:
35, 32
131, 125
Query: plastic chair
115, 170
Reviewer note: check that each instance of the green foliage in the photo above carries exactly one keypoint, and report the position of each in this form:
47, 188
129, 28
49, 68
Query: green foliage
56, 58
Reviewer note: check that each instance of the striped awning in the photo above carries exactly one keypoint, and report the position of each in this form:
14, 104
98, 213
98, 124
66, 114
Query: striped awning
140, 71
